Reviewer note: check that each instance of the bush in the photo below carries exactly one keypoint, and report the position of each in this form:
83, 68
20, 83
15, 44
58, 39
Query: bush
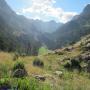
18, 65
38, 62
19, 70
73, 64
67, 65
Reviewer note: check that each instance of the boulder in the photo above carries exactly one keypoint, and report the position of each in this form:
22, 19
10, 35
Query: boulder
19, 73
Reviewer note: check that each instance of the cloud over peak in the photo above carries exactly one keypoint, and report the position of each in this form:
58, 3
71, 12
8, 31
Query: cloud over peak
45, 10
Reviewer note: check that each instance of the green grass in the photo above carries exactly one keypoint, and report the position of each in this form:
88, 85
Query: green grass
23, 84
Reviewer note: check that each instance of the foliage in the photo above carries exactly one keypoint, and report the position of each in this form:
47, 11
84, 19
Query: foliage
43, 50
73, 64
38, 62
19, 70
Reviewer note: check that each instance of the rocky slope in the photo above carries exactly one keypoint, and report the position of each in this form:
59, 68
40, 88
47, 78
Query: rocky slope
72, 31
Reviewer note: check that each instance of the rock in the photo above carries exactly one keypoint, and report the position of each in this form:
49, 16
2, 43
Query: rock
88, 67
19, 73
58, 73
87, 47
39, 77
85, 57
69, 49
59, 52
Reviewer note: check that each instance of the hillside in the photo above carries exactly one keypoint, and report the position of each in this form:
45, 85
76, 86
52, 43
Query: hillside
54, 72
72, 31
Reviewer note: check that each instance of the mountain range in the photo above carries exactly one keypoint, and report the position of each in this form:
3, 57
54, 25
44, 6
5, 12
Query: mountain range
18, 33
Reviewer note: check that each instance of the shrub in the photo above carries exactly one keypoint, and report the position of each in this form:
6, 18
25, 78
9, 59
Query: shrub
15, 57
18, 65
19, 70
73, 64
38, 62
67, 65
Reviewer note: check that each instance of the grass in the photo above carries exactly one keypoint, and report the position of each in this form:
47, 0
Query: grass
23, 84
52, 62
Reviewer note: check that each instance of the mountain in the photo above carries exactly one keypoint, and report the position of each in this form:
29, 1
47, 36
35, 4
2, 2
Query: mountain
48, 27
19, 33
72, 31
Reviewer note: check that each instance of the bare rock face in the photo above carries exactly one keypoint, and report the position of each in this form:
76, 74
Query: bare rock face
87, 9
5, 8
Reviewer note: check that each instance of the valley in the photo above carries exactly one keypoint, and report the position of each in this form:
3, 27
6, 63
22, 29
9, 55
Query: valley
39, 55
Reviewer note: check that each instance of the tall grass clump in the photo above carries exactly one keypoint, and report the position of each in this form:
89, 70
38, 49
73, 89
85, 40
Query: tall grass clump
4, 71
19, 70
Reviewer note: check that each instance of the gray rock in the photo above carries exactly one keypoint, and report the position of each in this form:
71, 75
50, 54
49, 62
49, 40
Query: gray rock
39, 77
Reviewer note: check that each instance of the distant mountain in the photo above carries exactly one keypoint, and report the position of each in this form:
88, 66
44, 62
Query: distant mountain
72, 31
48, 27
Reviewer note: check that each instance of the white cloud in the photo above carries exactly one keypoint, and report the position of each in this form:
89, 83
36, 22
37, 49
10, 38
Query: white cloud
45, 10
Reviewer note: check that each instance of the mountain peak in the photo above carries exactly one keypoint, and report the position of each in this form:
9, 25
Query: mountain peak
5, 8
2, 3
87, 9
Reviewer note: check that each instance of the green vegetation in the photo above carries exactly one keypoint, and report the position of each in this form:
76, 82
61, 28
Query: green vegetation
19, 70
43, 50
63, 69
26, 66
22, 84
37, 62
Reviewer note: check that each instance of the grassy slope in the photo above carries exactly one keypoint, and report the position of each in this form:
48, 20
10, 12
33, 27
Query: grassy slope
53, 62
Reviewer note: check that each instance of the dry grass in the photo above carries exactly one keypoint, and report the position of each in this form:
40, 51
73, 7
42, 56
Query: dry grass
52, 63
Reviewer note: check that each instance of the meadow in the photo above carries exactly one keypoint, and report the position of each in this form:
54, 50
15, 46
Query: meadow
53, 64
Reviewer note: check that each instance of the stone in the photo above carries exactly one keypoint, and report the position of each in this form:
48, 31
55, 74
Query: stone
58, 73
39, 77
19, 73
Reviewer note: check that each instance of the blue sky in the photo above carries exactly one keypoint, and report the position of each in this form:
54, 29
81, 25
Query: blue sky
58, 10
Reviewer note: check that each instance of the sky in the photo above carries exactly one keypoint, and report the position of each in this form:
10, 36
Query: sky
46, 10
